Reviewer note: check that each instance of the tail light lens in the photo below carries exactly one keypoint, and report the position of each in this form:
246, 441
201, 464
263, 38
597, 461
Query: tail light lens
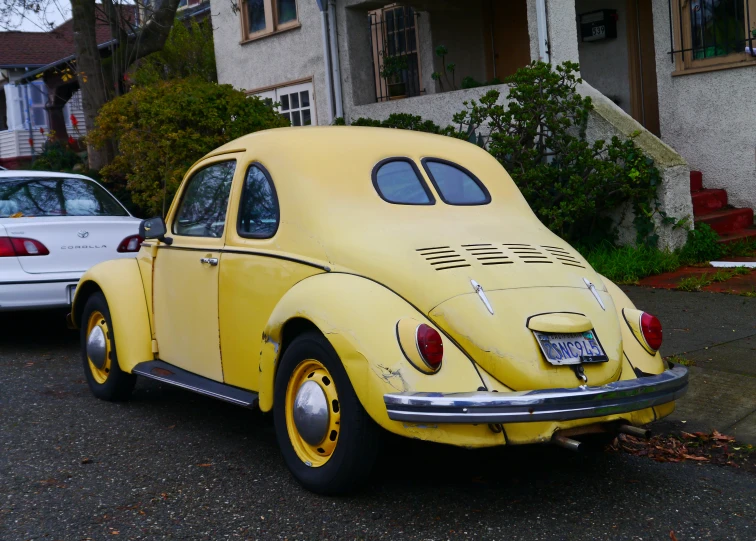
652, 331
16, 246
130, 244
430, 345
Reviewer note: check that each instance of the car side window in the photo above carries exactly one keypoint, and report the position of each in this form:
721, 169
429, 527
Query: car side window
397, 180
202, 212
455, 184
258, 209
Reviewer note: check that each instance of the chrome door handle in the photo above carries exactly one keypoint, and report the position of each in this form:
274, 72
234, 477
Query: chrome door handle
212, 261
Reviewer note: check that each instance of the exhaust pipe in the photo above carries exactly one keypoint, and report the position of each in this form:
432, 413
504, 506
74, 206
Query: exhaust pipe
630, 430
567, 443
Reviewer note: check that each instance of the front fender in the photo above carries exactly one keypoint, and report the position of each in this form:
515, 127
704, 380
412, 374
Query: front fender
121, 283
637, 355
359, 317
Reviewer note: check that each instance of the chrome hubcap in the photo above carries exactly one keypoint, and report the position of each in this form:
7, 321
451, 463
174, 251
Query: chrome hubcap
311, 413
96, 347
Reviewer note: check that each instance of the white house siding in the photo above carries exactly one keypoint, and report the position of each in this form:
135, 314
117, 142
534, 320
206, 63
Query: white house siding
709, 118
274, 60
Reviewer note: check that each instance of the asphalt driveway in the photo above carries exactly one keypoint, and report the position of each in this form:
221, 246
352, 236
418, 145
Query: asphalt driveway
172, 465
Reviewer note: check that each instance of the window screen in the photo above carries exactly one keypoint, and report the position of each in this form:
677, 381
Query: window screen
203, 208
399, 181
258, 209
456, 185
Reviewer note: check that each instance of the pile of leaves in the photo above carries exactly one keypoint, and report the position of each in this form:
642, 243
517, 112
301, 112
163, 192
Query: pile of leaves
713, 448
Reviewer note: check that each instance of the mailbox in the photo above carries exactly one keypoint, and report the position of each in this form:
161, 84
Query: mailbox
598, 25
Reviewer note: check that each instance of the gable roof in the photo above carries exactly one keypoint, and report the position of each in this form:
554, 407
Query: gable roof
36, 49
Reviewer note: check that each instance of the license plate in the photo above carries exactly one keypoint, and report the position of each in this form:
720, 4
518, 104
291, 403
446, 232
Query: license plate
571, 348
70, 290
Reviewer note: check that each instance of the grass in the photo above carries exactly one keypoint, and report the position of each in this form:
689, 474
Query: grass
677, 359
744, 248
694, 283
628, 264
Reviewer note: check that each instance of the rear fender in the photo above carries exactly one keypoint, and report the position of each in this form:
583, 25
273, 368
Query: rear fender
121, 283
359, 318
637, 355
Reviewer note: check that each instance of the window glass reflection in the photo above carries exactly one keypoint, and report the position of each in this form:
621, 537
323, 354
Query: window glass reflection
203, 208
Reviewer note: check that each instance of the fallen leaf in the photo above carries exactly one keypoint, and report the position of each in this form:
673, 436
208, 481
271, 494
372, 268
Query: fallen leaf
86, 460
207, 465
672, 535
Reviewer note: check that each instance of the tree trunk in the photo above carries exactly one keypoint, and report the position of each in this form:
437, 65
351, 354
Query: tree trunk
94, 92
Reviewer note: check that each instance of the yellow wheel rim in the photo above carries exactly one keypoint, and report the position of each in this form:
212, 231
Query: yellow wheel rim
311, 385
100, 368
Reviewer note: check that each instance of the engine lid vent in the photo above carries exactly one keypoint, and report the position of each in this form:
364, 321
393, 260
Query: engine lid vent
564, 257
528, 254
487, 254
443, 258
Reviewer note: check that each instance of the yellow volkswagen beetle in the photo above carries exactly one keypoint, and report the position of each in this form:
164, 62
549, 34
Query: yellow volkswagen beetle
355, 280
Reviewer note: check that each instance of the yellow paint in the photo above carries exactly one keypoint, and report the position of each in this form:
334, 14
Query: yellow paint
121, 283
508, 350
250, 288
560, 323
315, 455
354, 266
96, 319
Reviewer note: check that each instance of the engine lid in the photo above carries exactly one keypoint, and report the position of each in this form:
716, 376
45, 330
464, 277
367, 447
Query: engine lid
502, 344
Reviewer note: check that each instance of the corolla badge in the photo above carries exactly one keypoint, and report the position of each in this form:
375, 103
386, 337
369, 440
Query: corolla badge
82, 234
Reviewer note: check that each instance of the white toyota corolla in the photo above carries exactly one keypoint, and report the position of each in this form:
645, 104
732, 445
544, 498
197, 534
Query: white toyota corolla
53, 227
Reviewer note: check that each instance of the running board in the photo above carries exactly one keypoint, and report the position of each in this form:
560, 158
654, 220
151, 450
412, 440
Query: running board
173, 375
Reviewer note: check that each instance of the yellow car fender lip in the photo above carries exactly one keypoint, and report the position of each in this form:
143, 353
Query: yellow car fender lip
542, 405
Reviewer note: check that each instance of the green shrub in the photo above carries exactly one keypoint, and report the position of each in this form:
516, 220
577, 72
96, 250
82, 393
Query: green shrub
188, 52
401, 121
539, 136
56, 156
162, 129
628, 264
701, 245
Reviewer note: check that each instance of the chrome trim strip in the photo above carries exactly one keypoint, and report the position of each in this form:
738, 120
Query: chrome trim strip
541, 405
61, 281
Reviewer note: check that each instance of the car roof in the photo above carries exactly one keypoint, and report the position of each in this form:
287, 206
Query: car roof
16, 173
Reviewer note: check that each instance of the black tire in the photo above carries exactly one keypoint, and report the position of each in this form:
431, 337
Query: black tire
359, 440
119, 384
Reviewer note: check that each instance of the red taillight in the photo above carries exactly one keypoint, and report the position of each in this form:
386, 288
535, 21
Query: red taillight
6, 248
130, 244
652, 331
15, 246
430, 345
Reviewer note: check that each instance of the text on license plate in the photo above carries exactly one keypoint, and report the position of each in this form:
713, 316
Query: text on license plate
571, 348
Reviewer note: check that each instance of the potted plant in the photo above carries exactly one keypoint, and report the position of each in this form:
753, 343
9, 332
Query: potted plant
391, 71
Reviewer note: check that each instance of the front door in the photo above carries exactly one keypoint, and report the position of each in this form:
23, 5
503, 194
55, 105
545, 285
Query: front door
185, 283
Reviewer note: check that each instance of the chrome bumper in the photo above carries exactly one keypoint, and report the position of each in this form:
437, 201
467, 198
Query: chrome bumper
543, 405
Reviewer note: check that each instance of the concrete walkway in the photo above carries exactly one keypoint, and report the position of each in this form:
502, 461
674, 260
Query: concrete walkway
718, 333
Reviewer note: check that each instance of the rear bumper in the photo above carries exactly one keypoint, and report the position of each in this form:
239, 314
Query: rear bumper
36, 294
542, 405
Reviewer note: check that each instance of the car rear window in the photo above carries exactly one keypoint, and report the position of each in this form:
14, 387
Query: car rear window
398, 180
41, 196
455, 184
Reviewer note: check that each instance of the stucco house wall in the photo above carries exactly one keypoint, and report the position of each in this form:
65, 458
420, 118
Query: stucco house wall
273, 60
709, 118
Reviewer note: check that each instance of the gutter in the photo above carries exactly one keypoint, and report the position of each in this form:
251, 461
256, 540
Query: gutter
32, 74
543, 31
331, 58
326, 58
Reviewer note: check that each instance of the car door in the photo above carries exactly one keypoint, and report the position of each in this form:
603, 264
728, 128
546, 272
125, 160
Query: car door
185, 291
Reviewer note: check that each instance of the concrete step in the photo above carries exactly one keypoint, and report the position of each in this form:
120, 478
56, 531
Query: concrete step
740, 236
727, 221
696, 181
708, 201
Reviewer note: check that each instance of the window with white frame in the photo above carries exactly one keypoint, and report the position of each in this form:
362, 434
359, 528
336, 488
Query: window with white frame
37, 96
23, 101
294, 102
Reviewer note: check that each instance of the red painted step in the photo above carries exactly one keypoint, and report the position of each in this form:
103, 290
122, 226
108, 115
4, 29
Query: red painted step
696, 181
739, 236
708, 201
727, 221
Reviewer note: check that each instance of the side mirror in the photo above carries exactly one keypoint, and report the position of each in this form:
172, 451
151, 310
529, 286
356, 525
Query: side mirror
154, 228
